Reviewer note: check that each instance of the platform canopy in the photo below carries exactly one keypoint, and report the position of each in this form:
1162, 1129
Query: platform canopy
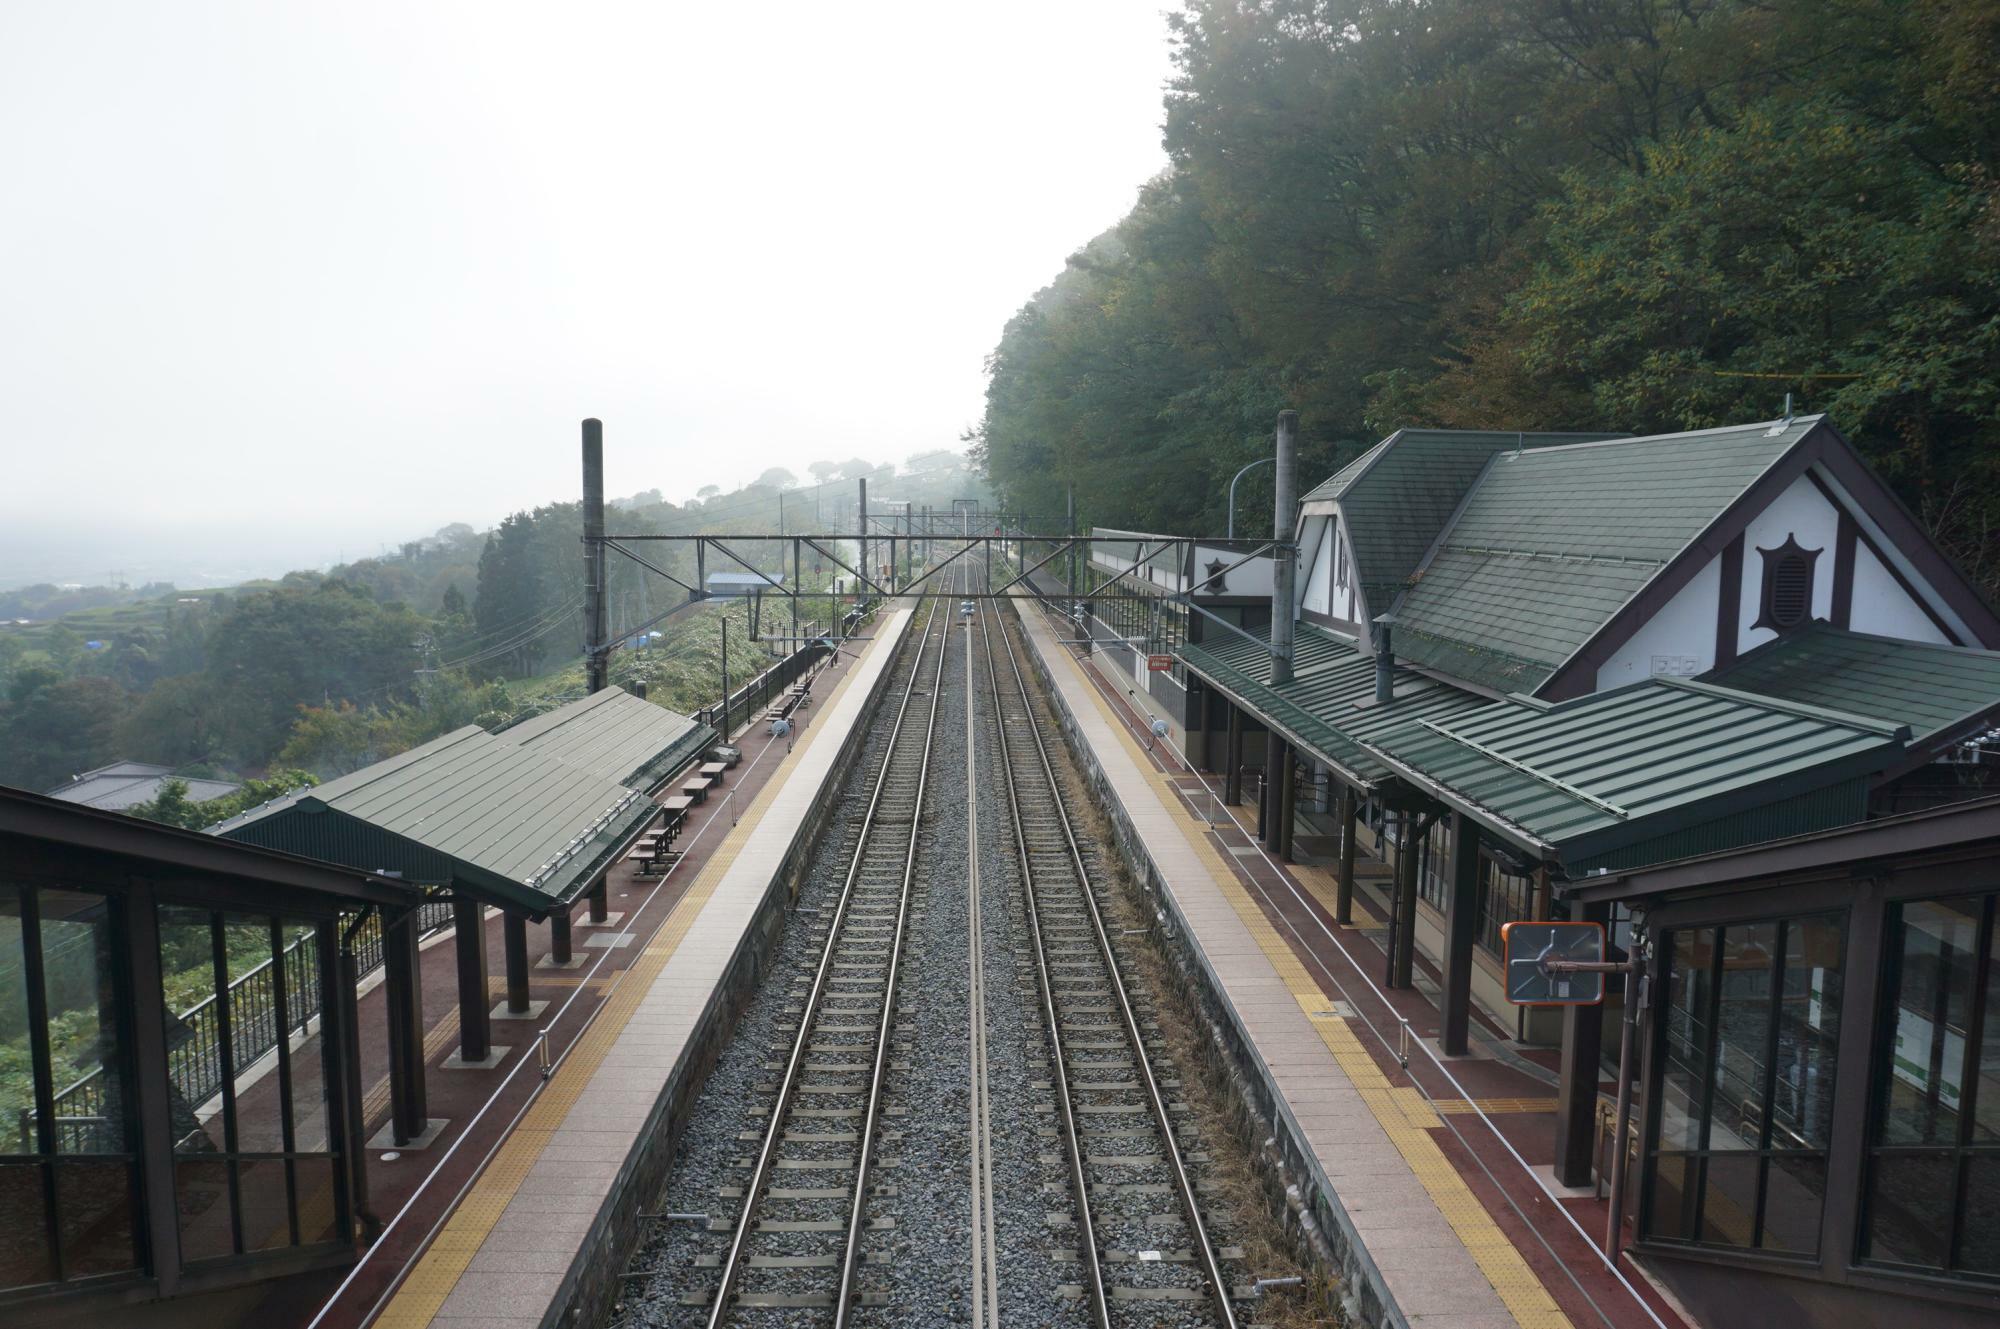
504, 823
1329, 707
1659, 770
1945, 694
625, 739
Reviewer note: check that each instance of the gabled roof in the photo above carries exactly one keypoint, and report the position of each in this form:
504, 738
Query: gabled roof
1399, 494
615, 735
1554, 541
1939, 691
124, 784
1329, 706
1658, 770
510, 825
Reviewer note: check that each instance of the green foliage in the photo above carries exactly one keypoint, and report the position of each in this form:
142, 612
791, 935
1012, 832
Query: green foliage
1636, 214
55, 728
173, 806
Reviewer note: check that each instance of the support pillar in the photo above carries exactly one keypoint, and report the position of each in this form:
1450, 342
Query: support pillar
475, 1031
559, 939
1403, 939
1232, 774
1343, 890
1460, 922
1576, 1089
600, 901
403, 993
1288, 803
514, 928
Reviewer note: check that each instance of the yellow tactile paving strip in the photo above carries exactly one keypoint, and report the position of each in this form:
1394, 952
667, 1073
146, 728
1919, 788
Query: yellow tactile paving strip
424, 1290
1402, 1112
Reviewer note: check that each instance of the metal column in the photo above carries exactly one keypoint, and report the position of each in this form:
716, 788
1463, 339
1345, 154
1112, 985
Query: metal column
1460, 922
1403, 937
1288, 799
597, 650
1343, 890
1232, 774
403, 990
1284, 553
514, 930
1580, 1071
475, 1032
559, 938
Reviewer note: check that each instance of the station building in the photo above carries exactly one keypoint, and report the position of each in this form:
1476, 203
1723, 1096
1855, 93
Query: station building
1721, 692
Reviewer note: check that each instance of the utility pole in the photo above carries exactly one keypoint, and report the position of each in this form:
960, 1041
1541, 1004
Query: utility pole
1283, 554
597, 651
866, 566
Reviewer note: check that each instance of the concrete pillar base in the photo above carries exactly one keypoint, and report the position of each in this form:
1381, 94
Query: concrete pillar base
456, 1062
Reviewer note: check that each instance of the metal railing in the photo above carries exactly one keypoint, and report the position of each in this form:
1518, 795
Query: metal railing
86, 1119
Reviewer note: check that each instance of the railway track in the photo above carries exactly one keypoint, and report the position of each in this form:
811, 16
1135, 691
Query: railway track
796, 1243
1118, 1132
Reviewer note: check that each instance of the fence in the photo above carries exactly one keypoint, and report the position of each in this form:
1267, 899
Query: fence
86, 1119
753, 696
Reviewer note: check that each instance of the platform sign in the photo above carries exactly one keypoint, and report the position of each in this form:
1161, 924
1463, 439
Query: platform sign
1530, 947
1159, 664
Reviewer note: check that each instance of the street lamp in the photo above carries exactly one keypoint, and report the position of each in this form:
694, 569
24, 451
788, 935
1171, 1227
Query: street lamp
1261, 461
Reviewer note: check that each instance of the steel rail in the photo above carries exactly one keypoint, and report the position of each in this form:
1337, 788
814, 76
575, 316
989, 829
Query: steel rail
1211, 1269
732, 1263
846, 1298
1086, 1229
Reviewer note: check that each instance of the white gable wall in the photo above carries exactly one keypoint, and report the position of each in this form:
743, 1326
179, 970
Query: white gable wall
1679, 641
1883, 607
1316, 539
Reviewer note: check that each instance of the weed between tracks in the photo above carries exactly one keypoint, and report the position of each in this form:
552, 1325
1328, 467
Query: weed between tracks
1250, 1190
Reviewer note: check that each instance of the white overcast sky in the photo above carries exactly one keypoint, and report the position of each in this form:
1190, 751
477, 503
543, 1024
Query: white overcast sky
305, 278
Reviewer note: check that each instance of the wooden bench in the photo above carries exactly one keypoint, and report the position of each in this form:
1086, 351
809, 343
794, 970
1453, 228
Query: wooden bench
697, 788
714, 770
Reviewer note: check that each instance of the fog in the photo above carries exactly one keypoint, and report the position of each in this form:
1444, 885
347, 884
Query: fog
282, 283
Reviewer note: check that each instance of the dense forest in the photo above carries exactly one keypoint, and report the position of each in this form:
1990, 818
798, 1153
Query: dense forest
320, 673
1639, 215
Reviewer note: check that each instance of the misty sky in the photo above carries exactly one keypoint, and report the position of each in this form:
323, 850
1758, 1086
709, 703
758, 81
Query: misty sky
298, 279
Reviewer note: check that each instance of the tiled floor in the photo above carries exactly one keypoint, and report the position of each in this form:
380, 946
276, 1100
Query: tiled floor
1458, 1230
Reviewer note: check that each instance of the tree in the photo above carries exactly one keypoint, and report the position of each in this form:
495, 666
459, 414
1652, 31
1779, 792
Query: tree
707, 492
777, 477
507, 602
453, 605
824, 471
52, 730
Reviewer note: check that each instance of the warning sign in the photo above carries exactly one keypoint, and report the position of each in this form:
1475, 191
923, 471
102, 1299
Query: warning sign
1159, 664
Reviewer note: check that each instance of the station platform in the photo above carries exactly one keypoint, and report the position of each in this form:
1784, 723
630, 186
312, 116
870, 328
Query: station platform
497, 1224
1425, 1165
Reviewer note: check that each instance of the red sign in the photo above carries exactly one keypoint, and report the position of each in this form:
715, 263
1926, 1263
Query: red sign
1159, 664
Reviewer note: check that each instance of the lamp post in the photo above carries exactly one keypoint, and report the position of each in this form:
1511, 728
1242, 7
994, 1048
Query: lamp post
1261, 461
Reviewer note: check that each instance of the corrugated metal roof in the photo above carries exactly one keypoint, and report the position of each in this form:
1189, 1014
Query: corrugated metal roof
515, 826
1553, 541
1330, 703
1631, 768
125, 784
616, 735
1931, 688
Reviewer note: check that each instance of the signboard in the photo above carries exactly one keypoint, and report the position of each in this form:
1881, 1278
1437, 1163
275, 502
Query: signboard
1530, 947
1159, 664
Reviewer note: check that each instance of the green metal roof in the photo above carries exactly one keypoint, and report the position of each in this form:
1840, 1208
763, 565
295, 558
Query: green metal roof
1934, 689
1658, 770
1553, 541
1400, 493
1329, 706
512, 826
616, 735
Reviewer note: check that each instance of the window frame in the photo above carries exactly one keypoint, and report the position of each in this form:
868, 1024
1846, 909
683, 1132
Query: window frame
1962, 1150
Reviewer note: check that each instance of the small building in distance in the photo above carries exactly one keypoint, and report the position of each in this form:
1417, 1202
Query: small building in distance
126, 784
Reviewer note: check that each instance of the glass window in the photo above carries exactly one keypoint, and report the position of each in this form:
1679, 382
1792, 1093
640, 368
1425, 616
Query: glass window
1749, 1033
1933, 1197
67, 1168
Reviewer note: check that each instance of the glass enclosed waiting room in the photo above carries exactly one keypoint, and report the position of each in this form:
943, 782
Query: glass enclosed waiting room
174, 1063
